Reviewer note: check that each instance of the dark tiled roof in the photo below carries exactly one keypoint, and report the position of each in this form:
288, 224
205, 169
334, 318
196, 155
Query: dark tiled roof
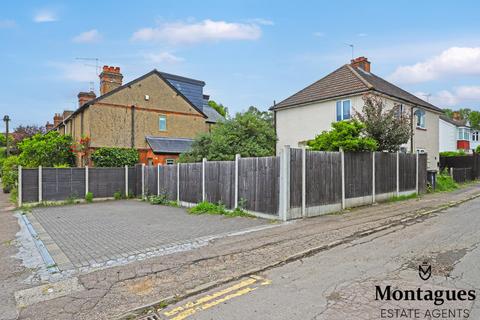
348, 80
212, 114
169, 145
340, 82
458, 123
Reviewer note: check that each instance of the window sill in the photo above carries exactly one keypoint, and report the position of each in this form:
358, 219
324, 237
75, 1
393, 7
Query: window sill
420, 128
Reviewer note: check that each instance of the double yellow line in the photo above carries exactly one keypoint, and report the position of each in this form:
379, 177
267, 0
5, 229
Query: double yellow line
248, 285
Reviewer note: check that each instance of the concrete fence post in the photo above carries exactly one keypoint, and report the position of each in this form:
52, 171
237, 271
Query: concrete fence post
204, 194
451, 172
19, 191
126, 181
304, 182
40, 196
398, 174
342, 163
158, 179
143, 180
178, 183
237, 166
373, 177
86, 180
284, 197
416, 172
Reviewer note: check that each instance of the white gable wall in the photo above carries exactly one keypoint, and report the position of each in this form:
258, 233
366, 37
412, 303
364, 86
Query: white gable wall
447, 136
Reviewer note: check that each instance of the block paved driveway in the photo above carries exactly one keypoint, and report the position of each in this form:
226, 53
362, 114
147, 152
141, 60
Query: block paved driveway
106, 233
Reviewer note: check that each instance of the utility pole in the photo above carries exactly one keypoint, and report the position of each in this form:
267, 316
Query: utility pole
6, 119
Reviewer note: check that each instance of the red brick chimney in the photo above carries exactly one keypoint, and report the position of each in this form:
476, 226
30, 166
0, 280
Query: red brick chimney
84, 97
361, 63
49, 126
57, 119
110, 79
456, 116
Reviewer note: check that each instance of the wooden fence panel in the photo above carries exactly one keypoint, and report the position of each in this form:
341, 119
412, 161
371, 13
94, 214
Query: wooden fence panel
29, 185
191, 182
104, 182
295, 178
385, 172
150, 180
407, 163
358, 174
258, 186
168, 181
323, 178
63, 183
132, 181
461, 175
422, 173
220, 182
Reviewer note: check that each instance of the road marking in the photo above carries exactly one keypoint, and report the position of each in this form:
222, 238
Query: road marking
211, 300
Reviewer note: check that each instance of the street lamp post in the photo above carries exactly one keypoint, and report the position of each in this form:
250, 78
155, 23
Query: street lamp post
6, 119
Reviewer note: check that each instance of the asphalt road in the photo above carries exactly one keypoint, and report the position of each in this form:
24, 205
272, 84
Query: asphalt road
341, 283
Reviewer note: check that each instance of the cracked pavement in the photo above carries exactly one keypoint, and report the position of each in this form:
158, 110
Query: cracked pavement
340, 283
115, 291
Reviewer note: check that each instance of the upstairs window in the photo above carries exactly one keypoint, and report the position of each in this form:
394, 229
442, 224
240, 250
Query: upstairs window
162, 123
343, 110
170, 162
463, 134
475, 136
420, 118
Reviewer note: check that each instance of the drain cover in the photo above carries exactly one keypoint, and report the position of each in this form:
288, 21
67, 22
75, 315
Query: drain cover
151, 316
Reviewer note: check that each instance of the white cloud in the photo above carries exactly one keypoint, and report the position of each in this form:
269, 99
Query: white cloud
319, 34
453, 61
464, 95
90, 36
362, 35
163, 57
206, 30
7, 23
265, 22
45, 16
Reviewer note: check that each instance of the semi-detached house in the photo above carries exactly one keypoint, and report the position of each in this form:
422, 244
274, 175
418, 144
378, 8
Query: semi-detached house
310, 111
158, 114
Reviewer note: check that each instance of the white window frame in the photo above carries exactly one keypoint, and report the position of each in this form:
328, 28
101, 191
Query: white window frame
475, 135
169, 162
342, 113
422, 116
463, 134
160, 117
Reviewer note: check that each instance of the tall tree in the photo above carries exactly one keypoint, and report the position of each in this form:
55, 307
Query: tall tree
390, 127
250, 134
220, 108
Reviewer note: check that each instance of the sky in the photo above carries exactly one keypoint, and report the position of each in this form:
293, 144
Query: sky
247, 52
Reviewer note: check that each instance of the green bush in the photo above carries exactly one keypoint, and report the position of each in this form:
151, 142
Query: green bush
89, 197
477, 149
206, 207
453, 153
162, 199
114, 157
118, 195
445, 182
10, 173
46, 150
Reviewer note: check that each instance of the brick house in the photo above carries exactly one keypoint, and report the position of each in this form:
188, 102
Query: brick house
158, 114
